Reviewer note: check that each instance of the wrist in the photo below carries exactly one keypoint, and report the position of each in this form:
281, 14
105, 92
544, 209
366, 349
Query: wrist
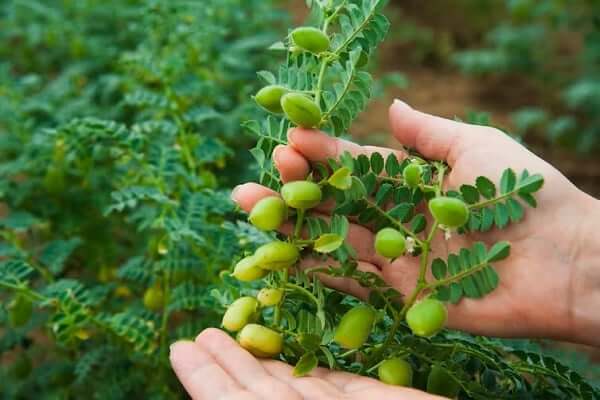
584, 286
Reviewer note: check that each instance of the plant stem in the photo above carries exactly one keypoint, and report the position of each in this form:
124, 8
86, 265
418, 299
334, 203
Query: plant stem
303, 291
277, 312
299, 223
457, 277
421, 285
165, 315
24, 290
495, 200
320, 81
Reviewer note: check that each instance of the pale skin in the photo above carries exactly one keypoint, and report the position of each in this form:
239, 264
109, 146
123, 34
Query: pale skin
549, 286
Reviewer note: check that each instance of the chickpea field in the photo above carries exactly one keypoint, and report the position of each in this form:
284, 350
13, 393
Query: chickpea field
153, 184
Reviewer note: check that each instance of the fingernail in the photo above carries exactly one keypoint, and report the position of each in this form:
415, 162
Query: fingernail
276, 151
400, 103
290, 135
234, 192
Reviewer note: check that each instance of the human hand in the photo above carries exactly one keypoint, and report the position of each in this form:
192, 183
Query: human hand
215, 367
548, 286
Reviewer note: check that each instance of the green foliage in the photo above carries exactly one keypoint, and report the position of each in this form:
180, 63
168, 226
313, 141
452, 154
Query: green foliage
555, 44
372, 191
119, 136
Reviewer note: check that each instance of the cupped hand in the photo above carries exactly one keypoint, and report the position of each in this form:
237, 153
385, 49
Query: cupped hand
214, 367
541, 288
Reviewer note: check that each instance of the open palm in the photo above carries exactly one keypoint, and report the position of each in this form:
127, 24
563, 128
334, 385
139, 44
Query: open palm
544, 245
214, 367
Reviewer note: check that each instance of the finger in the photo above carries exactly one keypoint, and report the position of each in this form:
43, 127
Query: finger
248, 194
337, 380
317, 146
292, 166
310, 387
434, 137
199, 372
242, 366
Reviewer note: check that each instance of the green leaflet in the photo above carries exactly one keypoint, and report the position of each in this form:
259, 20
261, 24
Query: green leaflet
497, 207
469, 273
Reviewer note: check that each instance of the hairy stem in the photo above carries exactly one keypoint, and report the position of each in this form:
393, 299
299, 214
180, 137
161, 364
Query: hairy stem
455, 278
164, 326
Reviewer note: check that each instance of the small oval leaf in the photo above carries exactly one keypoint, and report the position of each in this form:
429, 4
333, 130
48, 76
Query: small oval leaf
328, 242
307, 363
341, 179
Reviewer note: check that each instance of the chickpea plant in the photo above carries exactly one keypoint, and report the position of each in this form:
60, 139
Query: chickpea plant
284, 311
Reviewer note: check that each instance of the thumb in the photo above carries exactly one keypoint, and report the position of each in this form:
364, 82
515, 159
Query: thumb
434, 137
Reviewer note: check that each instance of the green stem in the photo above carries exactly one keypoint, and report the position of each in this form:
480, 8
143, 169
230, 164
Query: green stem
165, 315
321, 80
348, 353
421, 285
425, 255
304, 291
495, 200
24, 290
277, 313
429, 188
455, 278
299, 222
355, 33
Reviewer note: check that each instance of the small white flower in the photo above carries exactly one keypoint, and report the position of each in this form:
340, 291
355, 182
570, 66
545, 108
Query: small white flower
447, 232
410, 245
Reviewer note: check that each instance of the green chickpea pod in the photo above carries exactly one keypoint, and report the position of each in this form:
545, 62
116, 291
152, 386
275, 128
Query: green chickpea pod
427, 317
19, 311
154, 298
412, 175
260, 340
240, 313
355, 327
310, 39
440, 382
269, 98
449, 211
396, 371
301, 195
269, 297
276, 256
301, 110
247, 270
268, 214
390, 243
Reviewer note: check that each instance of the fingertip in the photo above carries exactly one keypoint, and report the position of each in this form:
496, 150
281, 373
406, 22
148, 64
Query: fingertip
176, 346
291, 165
180, 353
314, 145
248, 194
210, 335
401, 122
399, 105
